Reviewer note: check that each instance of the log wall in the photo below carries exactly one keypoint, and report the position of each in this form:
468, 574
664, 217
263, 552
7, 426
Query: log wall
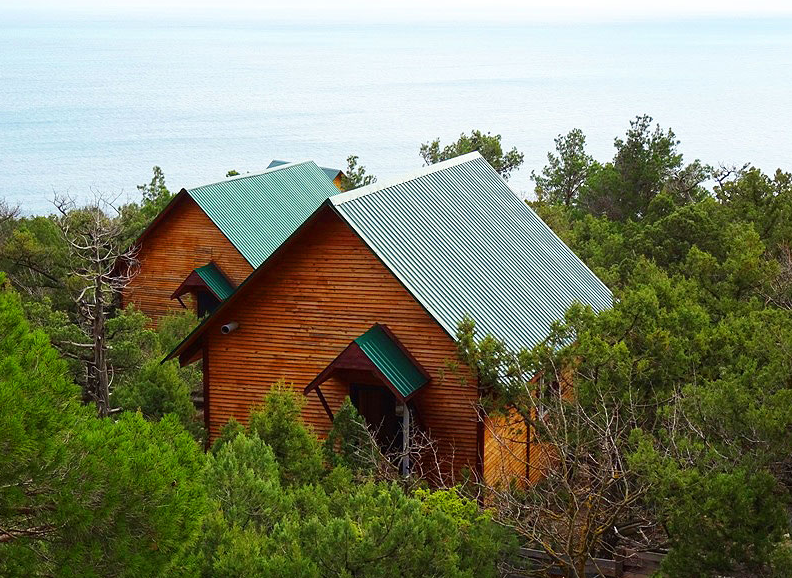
325, 289
505, 451
185, 238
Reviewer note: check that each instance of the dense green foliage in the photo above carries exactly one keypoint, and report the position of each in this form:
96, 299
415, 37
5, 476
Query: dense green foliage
81, 495
683, 390
285, 510
647, 162
566, 172
349, 443
488, 145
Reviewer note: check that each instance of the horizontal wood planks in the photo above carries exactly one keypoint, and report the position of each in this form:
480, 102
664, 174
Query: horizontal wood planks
183, 240
505, 449
322, 291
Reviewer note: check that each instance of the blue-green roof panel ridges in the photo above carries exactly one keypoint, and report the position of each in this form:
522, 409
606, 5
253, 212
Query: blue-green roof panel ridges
464, 244
215, 280
331, 173
391, 360
257, 213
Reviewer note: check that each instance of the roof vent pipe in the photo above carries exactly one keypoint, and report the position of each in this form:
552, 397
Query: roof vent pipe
229, 327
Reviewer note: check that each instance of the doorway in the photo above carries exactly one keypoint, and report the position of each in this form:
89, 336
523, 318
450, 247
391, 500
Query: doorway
377, 405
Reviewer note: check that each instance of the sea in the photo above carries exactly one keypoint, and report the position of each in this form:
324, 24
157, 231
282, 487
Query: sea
92, 104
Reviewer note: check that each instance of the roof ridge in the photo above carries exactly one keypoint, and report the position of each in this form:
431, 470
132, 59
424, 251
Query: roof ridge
422, 172
249, 176
281, 163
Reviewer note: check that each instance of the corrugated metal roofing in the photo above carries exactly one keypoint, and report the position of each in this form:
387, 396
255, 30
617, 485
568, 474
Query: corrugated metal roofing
391, 360
331, 173
464, 244
215, 280
258, 212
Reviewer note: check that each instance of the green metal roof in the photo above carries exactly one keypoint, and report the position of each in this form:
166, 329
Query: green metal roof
331, 173
215, 280
391, 360
464, 244
258, 212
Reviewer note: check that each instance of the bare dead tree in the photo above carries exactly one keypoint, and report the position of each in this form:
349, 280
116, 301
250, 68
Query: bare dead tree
726, 174
100, 267
578, 500
685, 182
427, 461
7, 212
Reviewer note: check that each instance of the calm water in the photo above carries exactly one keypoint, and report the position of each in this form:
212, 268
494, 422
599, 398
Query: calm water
93, 105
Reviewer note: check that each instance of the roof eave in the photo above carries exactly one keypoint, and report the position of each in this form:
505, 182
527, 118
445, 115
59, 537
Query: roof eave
330, 370
162, 214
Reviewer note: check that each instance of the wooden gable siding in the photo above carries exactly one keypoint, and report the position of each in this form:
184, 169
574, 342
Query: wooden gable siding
507, 456
543, 456
185, 239
505, 449
324, 290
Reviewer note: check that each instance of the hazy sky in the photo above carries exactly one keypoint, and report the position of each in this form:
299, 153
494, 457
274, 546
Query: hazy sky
421, 10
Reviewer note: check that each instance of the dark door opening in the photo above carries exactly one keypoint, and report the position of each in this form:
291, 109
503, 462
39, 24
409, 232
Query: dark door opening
206, 303
377, 405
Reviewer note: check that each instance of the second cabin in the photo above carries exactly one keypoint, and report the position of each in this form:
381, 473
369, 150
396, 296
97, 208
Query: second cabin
210, 238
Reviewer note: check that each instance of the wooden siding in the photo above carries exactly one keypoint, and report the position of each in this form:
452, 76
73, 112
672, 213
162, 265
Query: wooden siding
183, 240
324, 290
505, 452
506, 457
542, 457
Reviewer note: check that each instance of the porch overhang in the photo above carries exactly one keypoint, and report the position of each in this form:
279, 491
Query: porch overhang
377, 354
207, 278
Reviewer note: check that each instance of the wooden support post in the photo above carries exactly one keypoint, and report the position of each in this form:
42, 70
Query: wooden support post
405, 441
324, 403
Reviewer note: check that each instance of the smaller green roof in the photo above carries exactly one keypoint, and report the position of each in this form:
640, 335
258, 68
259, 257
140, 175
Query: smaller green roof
382, 348
257, 213
215, 280
331, 173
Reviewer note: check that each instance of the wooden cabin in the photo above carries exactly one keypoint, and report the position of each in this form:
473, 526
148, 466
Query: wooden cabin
364, 299
209, 239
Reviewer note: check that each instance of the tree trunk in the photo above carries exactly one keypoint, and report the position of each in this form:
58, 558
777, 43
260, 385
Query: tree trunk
99, 351
577, 564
